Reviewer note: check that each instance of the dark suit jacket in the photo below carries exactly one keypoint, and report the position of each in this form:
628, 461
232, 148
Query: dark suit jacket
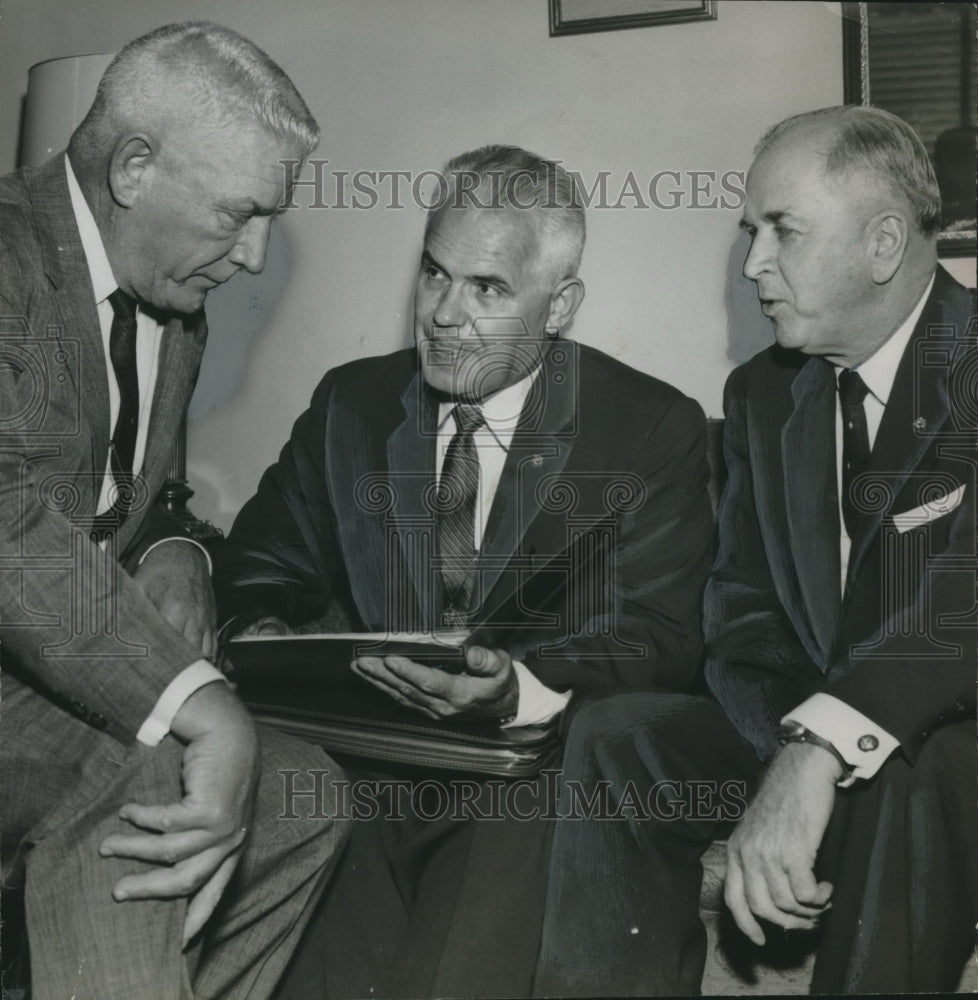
900, 648
596, 547
74, 625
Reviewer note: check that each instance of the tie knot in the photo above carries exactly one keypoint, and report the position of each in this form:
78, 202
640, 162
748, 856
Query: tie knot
852, 389
123, 305
468, 417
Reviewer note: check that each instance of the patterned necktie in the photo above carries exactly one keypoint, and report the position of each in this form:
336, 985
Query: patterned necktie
458, 490
855, 443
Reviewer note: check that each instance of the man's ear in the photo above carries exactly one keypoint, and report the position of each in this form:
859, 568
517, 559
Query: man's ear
131, 157
888, 236
564, 302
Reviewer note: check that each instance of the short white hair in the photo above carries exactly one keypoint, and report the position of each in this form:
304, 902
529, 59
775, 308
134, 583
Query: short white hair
509, 177
197, 73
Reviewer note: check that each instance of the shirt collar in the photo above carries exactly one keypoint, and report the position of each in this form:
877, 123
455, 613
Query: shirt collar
879, 370
99, 269
502, 409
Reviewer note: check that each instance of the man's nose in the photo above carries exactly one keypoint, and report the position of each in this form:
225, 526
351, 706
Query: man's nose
249, 251
758, 257
450, 311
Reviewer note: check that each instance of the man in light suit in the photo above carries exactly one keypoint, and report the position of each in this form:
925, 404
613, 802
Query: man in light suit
840, 614
139, 801
582, 552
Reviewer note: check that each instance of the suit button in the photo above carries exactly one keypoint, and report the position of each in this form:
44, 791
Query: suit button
98, 721
79, 708
867, 743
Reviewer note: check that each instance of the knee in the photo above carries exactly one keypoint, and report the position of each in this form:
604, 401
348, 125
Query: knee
298, 794
607, 731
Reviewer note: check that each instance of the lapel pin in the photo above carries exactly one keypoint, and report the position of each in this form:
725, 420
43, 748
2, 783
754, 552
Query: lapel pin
536, 461
920, 424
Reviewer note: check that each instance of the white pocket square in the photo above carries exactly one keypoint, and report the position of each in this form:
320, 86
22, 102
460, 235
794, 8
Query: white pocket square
929, 511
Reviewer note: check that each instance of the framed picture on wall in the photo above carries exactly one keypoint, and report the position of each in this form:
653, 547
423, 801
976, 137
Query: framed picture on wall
920, 61
573, 17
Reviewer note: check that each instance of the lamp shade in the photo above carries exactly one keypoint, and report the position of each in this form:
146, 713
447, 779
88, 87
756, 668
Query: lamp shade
59, 94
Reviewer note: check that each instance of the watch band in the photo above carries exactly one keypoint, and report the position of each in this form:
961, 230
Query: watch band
797, 733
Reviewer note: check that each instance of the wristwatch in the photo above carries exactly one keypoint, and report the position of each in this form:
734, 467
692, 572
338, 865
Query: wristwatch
795, 732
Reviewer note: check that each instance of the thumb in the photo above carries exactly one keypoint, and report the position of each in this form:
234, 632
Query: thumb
481, 661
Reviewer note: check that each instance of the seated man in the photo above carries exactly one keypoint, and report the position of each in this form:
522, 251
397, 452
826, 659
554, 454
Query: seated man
135, 790
840, 615
555, 463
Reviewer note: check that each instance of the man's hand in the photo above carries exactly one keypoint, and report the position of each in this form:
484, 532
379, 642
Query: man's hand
269, 625
771, 853
174, 577
487, 688
196, 842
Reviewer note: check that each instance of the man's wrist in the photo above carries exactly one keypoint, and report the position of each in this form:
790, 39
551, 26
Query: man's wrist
793, 734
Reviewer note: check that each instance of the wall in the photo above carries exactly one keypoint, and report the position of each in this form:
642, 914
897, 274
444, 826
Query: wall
402, 86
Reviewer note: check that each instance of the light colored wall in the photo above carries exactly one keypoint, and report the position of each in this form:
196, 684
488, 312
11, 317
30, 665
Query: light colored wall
403, 86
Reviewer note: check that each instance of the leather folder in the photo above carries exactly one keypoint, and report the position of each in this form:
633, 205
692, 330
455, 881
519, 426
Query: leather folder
303, 685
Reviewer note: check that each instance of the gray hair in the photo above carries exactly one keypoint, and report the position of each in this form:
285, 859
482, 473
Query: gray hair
874, 141
194, 72
509, 177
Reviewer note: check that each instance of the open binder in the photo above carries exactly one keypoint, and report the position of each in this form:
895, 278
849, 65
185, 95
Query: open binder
303, 685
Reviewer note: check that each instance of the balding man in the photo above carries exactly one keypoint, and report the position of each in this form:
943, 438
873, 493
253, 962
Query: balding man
495, 474
840, 615
136, 791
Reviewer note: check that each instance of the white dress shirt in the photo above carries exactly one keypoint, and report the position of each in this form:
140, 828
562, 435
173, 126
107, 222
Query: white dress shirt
537, 703
823, 714
149, 334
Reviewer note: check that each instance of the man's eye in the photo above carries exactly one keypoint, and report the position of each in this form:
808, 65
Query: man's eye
431, 272
783, 232
233, 220
485, 289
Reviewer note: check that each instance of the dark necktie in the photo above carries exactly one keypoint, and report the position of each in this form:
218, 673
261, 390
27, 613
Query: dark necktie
458, 490
855, 444
122, 351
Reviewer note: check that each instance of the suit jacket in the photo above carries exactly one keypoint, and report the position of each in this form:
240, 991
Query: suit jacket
74, 624
900, 647
596, 547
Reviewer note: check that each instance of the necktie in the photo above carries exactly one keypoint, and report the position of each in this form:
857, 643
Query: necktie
122, 352
457, 493
855, 443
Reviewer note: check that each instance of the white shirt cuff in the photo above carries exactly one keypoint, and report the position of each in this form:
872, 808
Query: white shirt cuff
538, 703
862, 743
180, 538
194, 677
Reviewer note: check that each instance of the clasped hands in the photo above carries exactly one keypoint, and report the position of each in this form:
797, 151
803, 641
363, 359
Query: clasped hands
771, 853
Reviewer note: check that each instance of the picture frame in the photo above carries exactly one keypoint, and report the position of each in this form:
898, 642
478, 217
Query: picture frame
575, 17
935, 42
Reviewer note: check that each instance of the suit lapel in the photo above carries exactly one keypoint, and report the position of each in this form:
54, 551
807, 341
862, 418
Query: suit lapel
74, 300
808, 457
537, 454
411, 469
917, 408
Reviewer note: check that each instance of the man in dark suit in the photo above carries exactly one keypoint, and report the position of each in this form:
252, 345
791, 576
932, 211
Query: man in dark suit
840, 614
579, 544
136, 795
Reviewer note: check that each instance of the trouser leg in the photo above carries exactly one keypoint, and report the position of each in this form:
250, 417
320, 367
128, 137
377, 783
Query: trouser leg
86, 946
622, 908
902, 855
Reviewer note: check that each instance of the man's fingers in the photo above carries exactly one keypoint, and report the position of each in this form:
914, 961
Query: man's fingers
173, 882
733, 894
207, 898
403, 694
811, 895
160, 848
